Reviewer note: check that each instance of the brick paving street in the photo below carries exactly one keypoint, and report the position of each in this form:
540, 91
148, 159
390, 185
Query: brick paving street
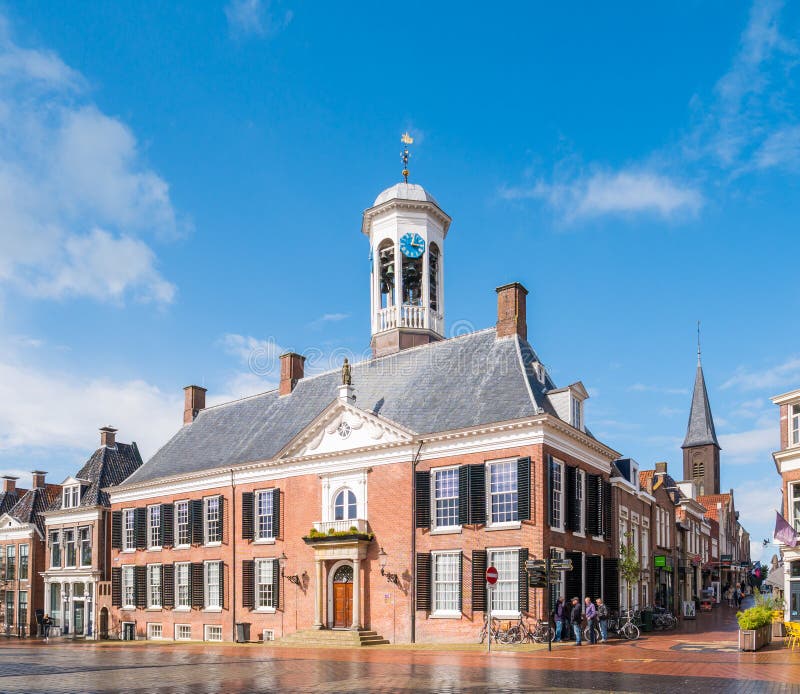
700, 658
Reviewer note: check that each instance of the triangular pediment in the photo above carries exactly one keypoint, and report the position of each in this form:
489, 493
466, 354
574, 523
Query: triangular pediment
8, 521
341, 428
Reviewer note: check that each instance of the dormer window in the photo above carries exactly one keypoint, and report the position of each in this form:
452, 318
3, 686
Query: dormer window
577, 413
794, 424
72, 496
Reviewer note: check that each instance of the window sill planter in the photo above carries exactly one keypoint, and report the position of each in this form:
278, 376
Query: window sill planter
315, 538
754, 639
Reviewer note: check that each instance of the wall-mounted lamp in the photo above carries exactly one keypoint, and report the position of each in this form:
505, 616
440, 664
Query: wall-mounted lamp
383, 559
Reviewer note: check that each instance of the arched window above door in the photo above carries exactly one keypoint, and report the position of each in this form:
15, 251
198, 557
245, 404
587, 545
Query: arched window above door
344, 505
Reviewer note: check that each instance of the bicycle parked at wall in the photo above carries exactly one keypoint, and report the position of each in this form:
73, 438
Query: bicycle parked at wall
522, 632
663, 619
621, 625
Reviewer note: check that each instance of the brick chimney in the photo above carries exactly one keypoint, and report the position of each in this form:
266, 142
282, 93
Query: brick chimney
9, 483
38, 479
511, 310
661, 467
108, 436
292, 366
194, 400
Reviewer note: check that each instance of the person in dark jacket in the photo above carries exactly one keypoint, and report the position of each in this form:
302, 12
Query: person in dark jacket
591, 617
602, 616
560, 617
575, 619
46, 624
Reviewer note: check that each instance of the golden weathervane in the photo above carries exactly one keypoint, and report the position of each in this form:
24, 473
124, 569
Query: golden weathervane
406, 139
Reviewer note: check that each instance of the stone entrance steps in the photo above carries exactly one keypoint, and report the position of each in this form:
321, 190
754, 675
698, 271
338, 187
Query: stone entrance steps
332, 638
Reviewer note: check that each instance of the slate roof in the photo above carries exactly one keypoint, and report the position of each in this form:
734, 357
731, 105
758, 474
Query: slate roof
105, 468
35, 501
8, 499
456, 383
700, 430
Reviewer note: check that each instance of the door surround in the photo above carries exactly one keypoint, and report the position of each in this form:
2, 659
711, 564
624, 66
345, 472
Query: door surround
330, 618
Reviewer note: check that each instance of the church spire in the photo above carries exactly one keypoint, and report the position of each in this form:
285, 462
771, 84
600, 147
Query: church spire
700, 431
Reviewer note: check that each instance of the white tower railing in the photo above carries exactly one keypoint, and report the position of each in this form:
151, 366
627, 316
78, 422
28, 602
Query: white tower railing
409, 316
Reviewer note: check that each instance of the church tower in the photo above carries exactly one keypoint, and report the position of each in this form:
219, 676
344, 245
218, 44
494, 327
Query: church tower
406, 230
700, 447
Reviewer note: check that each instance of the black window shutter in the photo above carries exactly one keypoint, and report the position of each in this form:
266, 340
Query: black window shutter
116, 529
422, 482
549, 492
276, 584
248, 516
140, 524
593, 511
223, 520
463, 495
611, 583
477, 494
196, 506
140, 573
523, 580
116, 586
167, 525
276, 512
424, 581
479, 580
524, 488
196, 582
222, 585
571, 480
248, 584
593, 578
574, 578
460, 582
168, 585
606, 510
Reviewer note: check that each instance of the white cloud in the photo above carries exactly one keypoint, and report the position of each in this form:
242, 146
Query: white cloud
255, 18
643, 388
328, 318
752, 447
625, 192
783, 376
757, 503
72, 183
781, 148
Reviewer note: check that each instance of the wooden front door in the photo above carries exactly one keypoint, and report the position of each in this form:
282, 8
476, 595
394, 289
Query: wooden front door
342, 605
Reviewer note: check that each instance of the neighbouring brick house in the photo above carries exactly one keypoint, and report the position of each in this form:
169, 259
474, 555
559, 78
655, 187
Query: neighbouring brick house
22, 552
374, 496
77, 528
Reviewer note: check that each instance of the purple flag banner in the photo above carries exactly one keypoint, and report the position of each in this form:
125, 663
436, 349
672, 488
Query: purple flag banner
784, 532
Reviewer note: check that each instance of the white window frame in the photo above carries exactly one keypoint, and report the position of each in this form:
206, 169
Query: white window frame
72, 496
502, 580
207, 521
153, 627
439, 610
154, 538
561, 505
645, 545
154, 572
74, 544
346, 504
794, 425
179, 569
559, 586
57, 543
794, 496
577, 413
208, 628
128, 586
128, 530
79, 543
490, 522
267, 537
581, 478
450, 528
268, 585
178, 628
208, 605
182, 509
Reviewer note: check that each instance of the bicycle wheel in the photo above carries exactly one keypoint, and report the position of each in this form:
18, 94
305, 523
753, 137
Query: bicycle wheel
630, 631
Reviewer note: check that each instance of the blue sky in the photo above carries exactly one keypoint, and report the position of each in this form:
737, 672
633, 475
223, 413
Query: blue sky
181, 188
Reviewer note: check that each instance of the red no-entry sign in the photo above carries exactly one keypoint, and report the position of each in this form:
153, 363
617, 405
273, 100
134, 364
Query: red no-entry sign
491, 575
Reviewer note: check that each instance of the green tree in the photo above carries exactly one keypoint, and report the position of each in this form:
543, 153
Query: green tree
630, 567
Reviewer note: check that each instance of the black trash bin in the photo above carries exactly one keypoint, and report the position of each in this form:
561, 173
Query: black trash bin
242, 632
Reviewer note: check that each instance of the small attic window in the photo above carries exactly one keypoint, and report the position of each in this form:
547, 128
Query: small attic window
72, 496
577, 413
539, 369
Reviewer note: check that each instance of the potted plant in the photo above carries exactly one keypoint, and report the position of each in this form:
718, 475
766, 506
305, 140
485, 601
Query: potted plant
755, 627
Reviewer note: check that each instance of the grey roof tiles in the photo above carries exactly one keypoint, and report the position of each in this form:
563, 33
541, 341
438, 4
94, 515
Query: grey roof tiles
700, 431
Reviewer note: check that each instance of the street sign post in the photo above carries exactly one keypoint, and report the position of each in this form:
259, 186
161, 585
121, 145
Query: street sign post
491, 580
541, 575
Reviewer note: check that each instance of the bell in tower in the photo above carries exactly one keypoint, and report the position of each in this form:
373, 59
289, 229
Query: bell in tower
406, 230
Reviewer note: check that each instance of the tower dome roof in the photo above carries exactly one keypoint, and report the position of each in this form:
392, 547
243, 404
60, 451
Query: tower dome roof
405, 191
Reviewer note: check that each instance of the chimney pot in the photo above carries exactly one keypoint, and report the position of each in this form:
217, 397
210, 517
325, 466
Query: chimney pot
292, 367
511, 313
9, 483
194, 400
108, 436
38, 479
661, 467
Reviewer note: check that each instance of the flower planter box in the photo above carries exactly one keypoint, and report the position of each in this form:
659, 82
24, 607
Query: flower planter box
753, 639
778, 630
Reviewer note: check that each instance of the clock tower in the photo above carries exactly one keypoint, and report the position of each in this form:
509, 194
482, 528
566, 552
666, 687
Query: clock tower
406, 230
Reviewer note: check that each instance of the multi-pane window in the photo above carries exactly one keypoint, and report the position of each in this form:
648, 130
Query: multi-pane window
9, 607
445, 494
212, 577
11, 562
556, 494
794, 425
446, 582
344, 505
265, 583
505, 596
183, 596
154, 585
183, 632
182, 529
213, 521
794, 505
85, 542
577, 417
264, 530
128, 587
23, 607
503, 492
55, 548
154, 526
128, 529
2, 563
23, 562
69, 547
154, 631
580, 481
72, 496
559, 585
212, 632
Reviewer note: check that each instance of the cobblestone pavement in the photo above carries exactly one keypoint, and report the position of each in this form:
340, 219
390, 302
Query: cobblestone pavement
702, 657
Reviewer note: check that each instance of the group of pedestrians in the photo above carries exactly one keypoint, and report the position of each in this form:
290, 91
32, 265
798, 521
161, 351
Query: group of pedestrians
734, 594
574, 617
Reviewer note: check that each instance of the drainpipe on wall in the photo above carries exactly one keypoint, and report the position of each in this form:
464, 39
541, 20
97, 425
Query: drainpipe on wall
413, 586
233, 553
